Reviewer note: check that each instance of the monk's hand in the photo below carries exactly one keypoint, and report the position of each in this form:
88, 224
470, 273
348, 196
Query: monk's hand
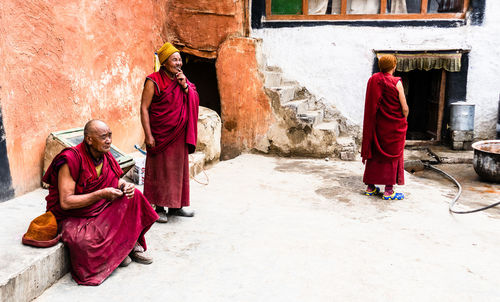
111, 193
181, 79
128, 189
150, 142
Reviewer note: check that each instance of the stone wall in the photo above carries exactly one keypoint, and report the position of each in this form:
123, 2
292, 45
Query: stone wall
245, 107
199, 27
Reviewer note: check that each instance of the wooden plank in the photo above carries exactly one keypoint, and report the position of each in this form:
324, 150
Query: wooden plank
402, 17
442, 92
414, 143
305, 7
268, 9
466, 6
423, 7
383, 7
343, 8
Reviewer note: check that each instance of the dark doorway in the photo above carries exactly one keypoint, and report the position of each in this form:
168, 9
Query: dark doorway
6, 190
425, 94
202, 73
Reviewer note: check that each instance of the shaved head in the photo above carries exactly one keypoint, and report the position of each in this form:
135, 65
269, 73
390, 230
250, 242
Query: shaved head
97, 136
92, 125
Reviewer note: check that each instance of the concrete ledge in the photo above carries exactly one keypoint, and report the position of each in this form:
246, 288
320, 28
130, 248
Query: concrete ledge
26, 271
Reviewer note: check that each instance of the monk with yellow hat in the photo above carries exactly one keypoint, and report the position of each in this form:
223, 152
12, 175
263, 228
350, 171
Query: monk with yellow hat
169, 116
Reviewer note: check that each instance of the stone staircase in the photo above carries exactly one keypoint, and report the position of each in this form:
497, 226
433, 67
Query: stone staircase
306, 126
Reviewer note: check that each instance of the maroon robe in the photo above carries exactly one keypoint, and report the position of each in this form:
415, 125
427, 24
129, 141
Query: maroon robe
384, 132
173, 118
101, 235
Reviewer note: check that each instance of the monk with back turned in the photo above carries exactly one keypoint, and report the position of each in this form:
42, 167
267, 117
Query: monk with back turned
384, 130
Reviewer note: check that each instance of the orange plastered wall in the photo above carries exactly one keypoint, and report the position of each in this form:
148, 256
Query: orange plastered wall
65, 62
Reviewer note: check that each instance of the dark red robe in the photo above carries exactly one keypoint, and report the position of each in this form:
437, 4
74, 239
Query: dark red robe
101, 235
384, 132
173, 118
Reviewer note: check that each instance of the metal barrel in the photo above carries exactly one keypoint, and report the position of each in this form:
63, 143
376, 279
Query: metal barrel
462, 116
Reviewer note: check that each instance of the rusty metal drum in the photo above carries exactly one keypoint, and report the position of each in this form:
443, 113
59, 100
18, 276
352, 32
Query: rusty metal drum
487, 159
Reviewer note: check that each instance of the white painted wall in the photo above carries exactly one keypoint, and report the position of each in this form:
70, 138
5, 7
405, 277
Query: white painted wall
335, 62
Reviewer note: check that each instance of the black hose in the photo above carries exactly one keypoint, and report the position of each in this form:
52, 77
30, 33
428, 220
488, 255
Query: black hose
457, 196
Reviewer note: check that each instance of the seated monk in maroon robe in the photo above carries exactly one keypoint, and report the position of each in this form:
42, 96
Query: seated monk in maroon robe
102, 218
384, 130
169, 116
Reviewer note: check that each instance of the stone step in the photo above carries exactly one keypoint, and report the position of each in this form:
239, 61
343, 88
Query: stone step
286, 92
347, 148
312, 118
331, 126
297, 106
272, 78
273, 68
26, 271
289, 83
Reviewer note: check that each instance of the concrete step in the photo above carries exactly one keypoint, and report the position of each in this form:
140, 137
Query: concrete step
273, 68
272, 78
286, 92
347, 148
25, 271
297, 106
286, 82
331, 126
312, 118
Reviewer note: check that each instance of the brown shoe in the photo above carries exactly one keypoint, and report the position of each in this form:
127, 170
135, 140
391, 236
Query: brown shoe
126, 261
180, 212
163, 217
140, 256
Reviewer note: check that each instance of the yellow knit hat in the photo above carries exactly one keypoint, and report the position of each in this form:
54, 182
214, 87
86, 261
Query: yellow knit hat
165, 51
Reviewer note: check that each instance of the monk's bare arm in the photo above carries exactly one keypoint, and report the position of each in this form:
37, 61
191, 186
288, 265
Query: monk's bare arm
147, 98
402, 99
69, 200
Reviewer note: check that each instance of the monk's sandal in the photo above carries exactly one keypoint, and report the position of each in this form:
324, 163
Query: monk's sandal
394, 196
375, 191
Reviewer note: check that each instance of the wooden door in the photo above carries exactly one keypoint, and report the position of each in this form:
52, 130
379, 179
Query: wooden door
435, 104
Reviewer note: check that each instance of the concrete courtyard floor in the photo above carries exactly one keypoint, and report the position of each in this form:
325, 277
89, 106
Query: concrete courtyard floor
282, 229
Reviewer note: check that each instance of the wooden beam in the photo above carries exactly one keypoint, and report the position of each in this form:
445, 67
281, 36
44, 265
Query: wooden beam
383, 7
442, 93
402, 17
465, 6
343, 7
305, 7
423, 7
268, 9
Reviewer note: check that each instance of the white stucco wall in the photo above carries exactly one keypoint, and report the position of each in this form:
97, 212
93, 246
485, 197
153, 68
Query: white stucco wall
335, 62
